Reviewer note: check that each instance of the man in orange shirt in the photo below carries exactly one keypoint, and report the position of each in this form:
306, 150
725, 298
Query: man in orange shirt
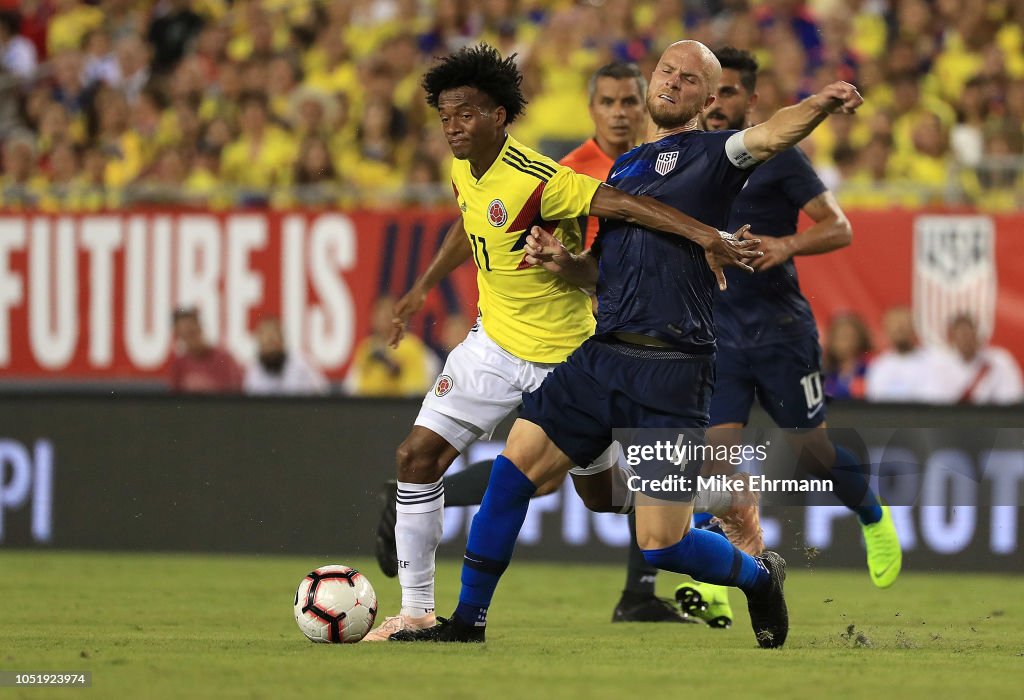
619, 113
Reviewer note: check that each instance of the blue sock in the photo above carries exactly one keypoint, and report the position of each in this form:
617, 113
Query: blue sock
710, 558
850, 480
702, 521
492, 538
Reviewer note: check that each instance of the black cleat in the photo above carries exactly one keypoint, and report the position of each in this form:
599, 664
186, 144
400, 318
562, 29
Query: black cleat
768, 614
634, 607
446, 630
387, 553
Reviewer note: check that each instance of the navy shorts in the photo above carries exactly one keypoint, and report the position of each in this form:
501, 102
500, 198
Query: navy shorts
785, 378
608, 388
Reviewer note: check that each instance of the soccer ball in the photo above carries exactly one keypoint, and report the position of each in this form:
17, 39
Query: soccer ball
335, 604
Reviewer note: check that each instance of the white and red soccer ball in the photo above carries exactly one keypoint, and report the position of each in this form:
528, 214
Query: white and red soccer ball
335, 604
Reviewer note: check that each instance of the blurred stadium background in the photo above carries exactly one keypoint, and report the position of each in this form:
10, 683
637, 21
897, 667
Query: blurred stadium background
270, 170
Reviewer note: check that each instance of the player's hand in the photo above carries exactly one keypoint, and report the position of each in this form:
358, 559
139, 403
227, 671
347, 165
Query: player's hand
731, 250
776, 250
403, 309
839, 97
544, 250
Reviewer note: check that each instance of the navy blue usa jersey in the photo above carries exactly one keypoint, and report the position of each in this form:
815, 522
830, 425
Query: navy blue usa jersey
658, 284
768, 307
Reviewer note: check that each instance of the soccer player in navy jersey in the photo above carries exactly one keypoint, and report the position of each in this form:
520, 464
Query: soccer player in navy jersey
650, 364
768, 340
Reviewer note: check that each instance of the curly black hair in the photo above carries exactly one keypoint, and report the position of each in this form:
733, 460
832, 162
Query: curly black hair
483, 68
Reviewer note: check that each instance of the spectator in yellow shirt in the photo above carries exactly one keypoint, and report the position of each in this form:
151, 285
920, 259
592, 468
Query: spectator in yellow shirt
122, 145
869, 187
20, 186
316, 183
54, 128
928, 164
328, 64
203, 185
60, 193
164, 183
909, 106
282, 77
92, 190
997, 184
263, 155
376, 169
70, 24
222, 98
378, 370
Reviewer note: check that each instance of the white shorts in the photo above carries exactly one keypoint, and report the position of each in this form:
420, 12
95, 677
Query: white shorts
479, 386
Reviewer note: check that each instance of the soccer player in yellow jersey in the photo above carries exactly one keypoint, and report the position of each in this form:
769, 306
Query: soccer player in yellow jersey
530, 319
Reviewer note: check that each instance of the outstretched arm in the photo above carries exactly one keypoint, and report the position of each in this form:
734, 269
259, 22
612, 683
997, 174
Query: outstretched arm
610, 203
454, 251
790, 125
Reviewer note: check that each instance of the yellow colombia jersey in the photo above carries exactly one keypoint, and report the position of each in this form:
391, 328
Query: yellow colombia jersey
528, 311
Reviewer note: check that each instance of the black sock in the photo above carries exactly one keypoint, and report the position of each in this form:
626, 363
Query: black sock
850, 480
466, 488
640, 575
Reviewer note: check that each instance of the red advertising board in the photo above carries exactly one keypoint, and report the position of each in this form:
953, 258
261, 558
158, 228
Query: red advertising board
90, 296
940, 264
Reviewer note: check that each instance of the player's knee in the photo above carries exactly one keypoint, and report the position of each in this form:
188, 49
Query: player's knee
651, 541
549, 487
538, 466
418, 464
660, 536
597, 504
596, 500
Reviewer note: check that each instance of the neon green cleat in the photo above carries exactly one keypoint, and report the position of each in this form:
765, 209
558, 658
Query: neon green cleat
885, 558
707, 602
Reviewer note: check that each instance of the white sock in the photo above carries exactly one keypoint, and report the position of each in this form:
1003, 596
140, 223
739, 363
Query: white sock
418, 528
717, 502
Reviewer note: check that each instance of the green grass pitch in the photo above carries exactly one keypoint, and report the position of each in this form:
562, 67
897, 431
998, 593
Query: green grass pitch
171, 626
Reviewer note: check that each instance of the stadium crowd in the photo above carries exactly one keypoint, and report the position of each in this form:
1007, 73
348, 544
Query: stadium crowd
109, 103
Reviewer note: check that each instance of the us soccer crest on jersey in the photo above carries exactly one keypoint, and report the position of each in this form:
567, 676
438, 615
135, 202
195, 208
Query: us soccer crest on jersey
666, 162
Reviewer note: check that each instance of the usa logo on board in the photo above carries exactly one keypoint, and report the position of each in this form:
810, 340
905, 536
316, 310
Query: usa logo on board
666, 162
954, 273
496, 213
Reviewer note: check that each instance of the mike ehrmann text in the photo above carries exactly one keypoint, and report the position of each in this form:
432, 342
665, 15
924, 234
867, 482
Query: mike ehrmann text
756, 482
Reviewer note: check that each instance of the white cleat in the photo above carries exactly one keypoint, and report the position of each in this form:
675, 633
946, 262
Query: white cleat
399, 623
